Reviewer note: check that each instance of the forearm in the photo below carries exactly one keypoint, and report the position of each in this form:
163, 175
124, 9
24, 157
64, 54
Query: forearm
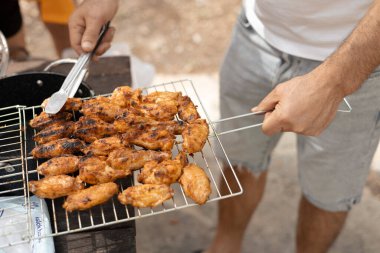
358, 56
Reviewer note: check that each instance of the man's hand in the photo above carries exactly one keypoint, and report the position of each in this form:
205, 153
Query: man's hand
308, 104
304, 105
85, 24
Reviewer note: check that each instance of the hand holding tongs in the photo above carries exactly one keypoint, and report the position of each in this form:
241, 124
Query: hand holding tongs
74, 78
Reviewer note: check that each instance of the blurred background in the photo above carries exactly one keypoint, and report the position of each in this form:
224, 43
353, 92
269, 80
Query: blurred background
187, 39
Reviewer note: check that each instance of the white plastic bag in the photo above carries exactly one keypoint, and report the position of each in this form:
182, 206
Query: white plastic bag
13, 224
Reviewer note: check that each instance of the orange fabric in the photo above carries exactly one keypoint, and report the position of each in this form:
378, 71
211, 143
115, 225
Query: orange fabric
56, 11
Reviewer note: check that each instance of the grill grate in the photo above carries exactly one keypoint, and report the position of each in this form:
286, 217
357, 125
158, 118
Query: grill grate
112, 212
12, 179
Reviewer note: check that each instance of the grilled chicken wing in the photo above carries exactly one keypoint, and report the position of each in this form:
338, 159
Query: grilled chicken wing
160, 105
154, 138
129, 121
94, 170
128, 159
91, 129
59, 166
54, 132
195, 136
44, 119
124, 96
187, 111
90, 197
195, 183
165, 172
146, 195
72, 104
103, 147
55, 186
58, 148
100, 107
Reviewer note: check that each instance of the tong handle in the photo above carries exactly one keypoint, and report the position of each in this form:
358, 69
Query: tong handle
102, 33
80, 68
349, 109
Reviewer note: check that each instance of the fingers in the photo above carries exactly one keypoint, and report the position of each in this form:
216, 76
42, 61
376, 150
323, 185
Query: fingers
272, 124
106, 42
268, 103
101, 50
109, 34
76, 29
91, 33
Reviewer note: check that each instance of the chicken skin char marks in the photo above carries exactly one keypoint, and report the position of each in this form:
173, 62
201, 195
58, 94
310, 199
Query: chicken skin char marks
54, 132
94, 170
146, 195
195, 184
187, 111
128, 121
59, 166
91, 129
154, 138
72, 104
159, 105
58, 148
90, 197
128, 159
43, 119
195, 136
165, 172
55, 186
104, 146
124, 96
102, 108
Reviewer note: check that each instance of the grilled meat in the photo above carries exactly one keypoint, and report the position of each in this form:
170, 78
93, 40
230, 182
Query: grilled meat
165, 172
102, 108
72, 104
94, 170
44, 119
128, 159
160, 105
147, 195
55, 186
91, 129
154, 138
187, 111
54, 132
90, 197
58, 148
195, 136
59, 166
124, 96
128, 121
103, 147
195, 183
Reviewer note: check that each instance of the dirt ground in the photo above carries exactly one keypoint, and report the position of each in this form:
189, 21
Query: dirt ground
176, 36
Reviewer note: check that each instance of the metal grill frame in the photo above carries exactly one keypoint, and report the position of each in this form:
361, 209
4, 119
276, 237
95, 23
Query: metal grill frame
11, 127
179, 201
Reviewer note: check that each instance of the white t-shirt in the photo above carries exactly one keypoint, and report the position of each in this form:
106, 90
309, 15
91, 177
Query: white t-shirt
311, 29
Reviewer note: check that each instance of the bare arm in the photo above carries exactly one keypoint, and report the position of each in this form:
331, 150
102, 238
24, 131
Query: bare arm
359, 55
307, 104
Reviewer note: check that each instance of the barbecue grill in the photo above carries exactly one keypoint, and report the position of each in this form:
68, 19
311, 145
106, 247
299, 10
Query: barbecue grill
17, 167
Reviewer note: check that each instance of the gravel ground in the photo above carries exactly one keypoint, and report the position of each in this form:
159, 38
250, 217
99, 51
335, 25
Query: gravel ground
176, 36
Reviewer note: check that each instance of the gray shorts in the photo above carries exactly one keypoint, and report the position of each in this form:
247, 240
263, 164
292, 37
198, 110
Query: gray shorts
333, 167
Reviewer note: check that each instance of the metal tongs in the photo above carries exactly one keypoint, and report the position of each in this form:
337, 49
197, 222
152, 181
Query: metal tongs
74, 78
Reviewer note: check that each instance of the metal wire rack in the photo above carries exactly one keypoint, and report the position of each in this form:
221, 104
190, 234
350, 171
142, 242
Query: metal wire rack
12, 176
212, 159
